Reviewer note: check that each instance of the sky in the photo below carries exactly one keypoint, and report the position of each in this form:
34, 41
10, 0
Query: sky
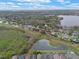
38, 4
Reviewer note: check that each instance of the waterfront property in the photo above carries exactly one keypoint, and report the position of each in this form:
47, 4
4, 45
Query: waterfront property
47, 56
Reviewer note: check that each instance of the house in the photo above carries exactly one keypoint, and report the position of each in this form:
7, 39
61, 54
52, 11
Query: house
15, 57
15, 26
21, 57
55, 34
75, 33
65, 36
28, 26
27, 56
75, 37
1, 21
4, 21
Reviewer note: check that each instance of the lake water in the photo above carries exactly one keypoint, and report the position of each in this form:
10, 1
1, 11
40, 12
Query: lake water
45, 45
69, 20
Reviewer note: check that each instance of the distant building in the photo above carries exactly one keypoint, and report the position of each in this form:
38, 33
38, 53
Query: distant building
21, 57
75, 37
28, 26
15, 57
1, 21
4, 22
27, 56
75, 33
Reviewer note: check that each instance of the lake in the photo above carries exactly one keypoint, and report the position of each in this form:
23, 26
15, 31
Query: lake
45, 45
69, 20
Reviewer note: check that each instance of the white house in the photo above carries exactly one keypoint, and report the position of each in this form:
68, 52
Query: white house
75, 36
1, 21
65, 36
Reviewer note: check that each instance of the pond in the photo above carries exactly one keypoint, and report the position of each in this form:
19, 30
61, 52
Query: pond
45, 45
69, 20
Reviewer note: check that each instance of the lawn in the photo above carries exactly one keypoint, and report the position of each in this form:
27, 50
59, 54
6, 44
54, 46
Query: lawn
48, 51
12, 42
74, 47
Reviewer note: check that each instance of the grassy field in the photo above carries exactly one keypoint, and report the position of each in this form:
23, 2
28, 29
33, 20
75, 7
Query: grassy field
55, 41
72, 46
12, 41
48, 51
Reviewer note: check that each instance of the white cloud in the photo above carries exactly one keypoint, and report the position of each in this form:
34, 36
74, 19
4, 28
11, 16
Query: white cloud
35, 1
8, 6
36, 5
66, 2
8, 3
44, 7
27, 6
60, 1
71, 6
